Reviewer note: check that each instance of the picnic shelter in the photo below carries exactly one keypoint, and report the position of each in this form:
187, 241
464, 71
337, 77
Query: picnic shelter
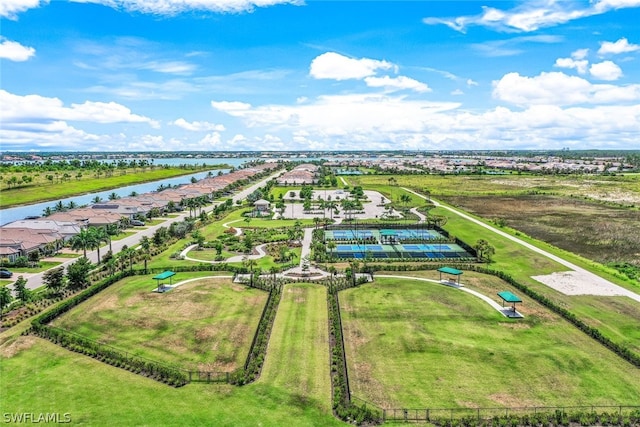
510, 298
164, 276
452, 271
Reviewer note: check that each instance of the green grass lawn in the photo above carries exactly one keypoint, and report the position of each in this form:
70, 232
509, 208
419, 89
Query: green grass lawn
43, 265
206, 324
298, 353
67, 255
40, 377
122, 235
416, 345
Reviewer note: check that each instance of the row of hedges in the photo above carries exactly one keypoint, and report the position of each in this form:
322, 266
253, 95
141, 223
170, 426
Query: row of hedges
40, 327
343, 407
258, 350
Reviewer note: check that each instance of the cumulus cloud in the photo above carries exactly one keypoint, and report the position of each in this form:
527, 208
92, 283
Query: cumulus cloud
230, 106
605, 70
40, 108
43, 121
11, 8
174, 7
397, 83
197, 126
533, 15
331, 65
620, 46
560, 89
211, 140
384, 121
14, 51
576, 61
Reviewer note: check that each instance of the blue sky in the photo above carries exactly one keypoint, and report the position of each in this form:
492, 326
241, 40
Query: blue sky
217, 75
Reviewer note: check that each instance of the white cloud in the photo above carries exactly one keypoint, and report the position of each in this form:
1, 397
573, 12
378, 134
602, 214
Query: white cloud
580, 54
331, 65
39, 108
580, 65
14, 51
471, 82
605, 70
533, 15
211, 140
397, 83
457, 92
620, 46
378, 121
41, 121
560, 89
228, 107
197, 126
11, 8
173, 7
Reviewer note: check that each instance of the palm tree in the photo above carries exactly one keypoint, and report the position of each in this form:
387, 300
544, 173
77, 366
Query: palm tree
82, 240
113, 196
100, 236
331, 245
96, 199
145, 244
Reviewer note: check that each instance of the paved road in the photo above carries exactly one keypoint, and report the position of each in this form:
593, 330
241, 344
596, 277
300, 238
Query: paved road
34, 281
619, 290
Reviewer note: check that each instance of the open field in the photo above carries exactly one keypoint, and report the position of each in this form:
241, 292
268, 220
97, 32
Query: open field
415, 344
206, 324
621, 189
593, 230
622, 313
39, 192
38, 376
298, 353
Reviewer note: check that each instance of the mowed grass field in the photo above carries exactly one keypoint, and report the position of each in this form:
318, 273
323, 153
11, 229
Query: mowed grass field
298, 353
413, 344
206, 324
40, 377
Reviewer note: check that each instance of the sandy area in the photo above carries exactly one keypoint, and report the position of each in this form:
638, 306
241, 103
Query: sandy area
583, 283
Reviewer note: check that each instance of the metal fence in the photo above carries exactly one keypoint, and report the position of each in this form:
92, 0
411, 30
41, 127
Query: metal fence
434, 414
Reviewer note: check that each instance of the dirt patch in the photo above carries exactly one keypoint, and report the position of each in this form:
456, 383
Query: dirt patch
107, 303
21, 343
581, 283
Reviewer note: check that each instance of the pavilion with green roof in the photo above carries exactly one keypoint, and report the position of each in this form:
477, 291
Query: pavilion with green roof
452, 271
163, 276
509, 298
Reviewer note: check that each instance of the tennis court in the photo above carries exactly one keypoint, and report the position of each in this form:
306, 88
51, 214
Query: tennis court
448, 251
383, 235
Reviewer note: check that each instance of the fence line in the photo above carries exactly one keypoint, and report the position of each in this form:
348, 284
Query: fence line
433, 414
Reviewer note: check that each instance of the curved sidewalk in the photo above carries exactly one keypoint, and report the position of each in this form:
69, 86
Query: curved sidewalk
506, 312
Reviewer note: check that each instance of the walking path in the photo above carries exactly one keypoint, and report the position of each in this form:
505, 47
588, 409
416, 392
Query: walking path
505, 311
576, 282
